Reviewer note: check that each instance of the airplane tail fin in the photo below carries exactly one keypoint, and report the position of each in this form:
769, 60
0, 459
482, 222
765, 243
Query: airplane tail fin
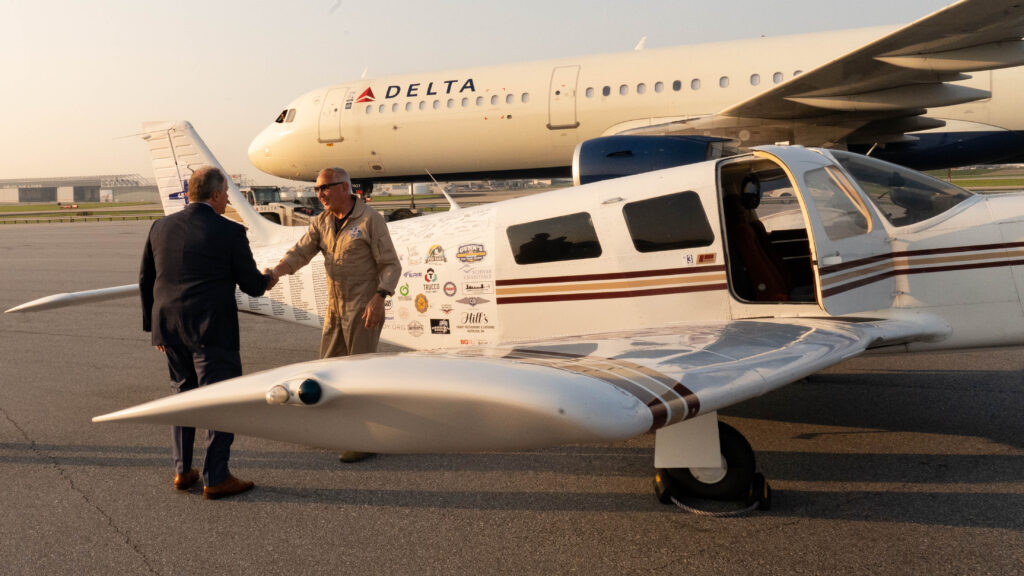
176, 150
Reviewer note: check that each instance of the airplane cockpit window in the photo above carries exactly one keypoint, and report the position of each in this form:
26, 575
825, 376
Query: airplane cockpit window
838, 205
291, 115
670, 222
903, 196
281, 117
570, 237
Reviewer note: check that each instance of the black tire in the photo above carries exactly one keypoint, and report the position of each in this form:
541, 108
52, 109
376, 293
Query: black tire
740, 468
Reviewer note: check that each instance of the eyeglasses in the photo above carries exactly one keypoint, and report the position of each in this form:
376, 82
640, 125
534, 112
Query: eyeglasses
319, 189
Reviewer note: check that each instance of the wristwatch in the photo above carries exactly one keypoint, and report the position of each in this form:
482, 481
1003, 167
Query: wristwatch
383, 293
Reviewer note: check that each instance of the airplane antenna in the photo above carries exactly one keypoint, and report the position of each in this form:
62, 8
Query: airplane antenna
872, 149
454, 204
641, 44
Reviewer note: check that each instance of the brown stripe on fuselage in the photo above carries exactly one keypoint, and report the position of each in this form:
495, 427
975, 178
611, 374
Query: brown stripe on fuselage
610, 275
610, 295
689, 280
911, 253
907, 271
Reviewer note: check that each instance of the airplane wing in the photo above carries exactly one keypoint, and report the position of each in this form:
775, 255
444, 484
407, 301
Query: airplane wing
602, 387
73, 298
878, 92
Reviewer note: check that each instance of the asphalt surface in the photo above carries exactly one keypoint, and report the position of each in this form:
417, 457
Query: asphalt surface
881, 465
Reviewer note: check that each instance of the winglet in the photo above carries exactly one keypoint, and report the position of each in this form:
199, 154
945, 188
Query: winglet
451, 201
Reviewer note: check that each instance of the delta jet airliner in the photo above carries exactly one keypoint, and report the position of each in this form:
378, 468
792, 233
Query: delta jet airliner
903, 94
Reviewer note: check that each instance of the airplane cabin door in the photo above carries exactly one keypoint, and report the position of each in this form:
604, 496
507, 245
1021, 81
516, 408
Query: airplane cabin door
850, 247
562, 98
330, 115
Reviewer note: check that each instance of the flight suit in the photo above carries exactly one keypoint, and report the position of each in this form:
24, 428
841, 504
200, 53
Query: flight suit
360, 260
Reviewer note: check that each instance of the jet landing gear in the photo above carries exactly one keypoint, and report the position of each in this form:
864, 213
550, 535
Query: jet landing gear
736, 479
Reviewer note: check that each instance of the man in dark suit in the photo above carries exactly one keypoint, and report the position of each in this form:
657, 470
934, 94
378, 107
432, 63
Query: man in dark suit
192, 261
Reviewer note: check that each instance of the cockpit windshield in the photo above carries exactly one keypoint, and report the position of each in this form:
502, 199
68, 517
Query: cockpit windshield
903, 196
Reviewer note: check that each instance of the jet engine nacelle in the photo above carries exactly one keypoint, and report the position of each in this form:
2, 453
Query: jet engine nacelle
617, 156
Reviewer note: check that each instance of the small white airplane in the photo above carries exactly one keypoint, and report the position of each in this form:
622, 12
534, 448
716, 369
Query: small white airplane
902, 94
609, 310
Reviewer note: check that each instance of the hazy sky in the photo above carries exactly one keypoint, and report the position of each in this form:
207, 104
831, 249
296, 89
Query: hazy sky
77, 78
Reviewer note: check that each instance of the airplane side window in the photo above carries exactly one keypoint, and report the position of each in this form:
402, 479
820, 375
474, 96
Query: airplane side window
423, 104
623, 89
903, 196
798, 72
479, 100
281, 116
494, 100
291, 115
659, 87
670, 222
723, 82
394, 107
836, 203
526, 97
510, 99
590, 92
451, 103
465, 102
755, 79
437, 104
777, 77
641, 88
677, 86
695, 84
570, 237
408, 106
369, 109
606, 91
380, 109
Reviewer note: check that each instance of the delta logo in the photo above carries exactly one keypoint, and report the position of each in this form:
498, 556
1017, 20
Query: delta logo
366, 96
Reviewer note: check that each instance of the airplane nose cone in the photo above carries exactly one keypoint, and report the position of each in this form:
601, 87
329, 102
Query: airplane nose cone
260, 150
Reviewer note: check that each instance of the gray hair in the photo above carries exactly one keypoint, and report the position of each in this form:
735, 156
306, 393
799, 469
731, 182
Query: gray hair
204, 182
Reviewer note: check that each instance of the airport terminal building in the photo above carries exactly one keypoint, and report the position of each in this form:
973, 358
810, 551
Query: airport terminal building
105, 188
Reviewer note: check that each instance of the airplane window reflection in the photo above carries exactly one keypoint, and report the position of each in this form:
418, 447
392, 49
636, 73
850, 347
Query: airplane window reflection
570, 237
903, 196
834, 201
281, 116
670, 222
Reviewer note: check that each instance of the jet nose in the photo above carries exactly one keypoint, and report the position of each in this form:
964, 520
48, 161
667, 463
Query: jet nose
261, 150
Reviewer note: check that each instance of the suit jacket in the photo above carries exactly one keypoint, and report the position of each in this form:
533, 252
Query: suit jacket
192, 261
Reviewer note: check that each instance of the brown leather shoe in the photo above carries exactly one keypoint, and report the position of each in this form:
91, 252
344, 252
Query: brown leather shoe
186, 480
350, 456
229, 487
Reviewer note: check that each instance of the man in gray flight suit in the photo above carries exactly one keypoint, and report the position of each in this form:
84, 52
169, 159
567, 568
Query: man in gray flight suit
362, 269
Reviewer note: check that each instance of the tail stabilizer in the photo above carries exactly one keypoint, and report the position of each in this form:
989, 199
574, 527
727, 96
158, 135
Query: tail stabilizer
176, 151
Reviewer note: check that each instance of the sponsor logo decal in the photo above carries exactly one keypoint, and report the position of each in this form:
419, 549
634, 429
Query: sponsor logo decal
435, 254
404, 290
478, 287
412, 274
422, 303
471, 253
473, 300
446, 308
449, 288
430, 276
366, 96
413, 255
474, 322
440, 326
403, 313
415, 328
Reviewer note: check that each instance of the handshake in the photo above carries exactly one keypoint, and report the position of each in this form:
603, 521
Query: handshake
273, 277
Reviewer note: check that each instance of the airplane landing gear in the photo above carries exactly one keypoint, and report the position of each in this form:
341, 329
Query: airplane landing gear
736, 479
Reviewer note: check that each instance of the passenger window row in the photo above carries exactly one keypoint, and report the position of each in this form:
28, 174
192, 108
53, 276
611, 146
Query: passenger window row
677, 85
451, 103
672, 222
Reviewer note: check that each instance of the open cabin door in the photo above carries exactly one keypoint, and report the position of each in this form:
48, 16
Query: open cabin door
850, 248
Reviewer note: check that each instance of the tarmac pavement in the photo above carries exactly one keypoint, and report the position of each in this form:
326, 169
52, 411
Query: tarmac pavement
881, 465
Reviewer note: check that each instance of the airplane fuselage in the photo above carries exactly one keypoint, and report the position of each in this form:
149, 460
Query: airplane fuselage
522, 120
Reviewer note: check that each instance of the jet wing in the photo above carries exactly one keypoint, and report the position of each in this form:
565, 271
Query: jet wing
603, 387
877, 92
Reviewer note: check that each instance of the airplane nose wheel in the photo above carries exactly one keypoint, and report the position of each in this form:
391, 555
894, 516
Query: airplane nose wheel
736, 479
